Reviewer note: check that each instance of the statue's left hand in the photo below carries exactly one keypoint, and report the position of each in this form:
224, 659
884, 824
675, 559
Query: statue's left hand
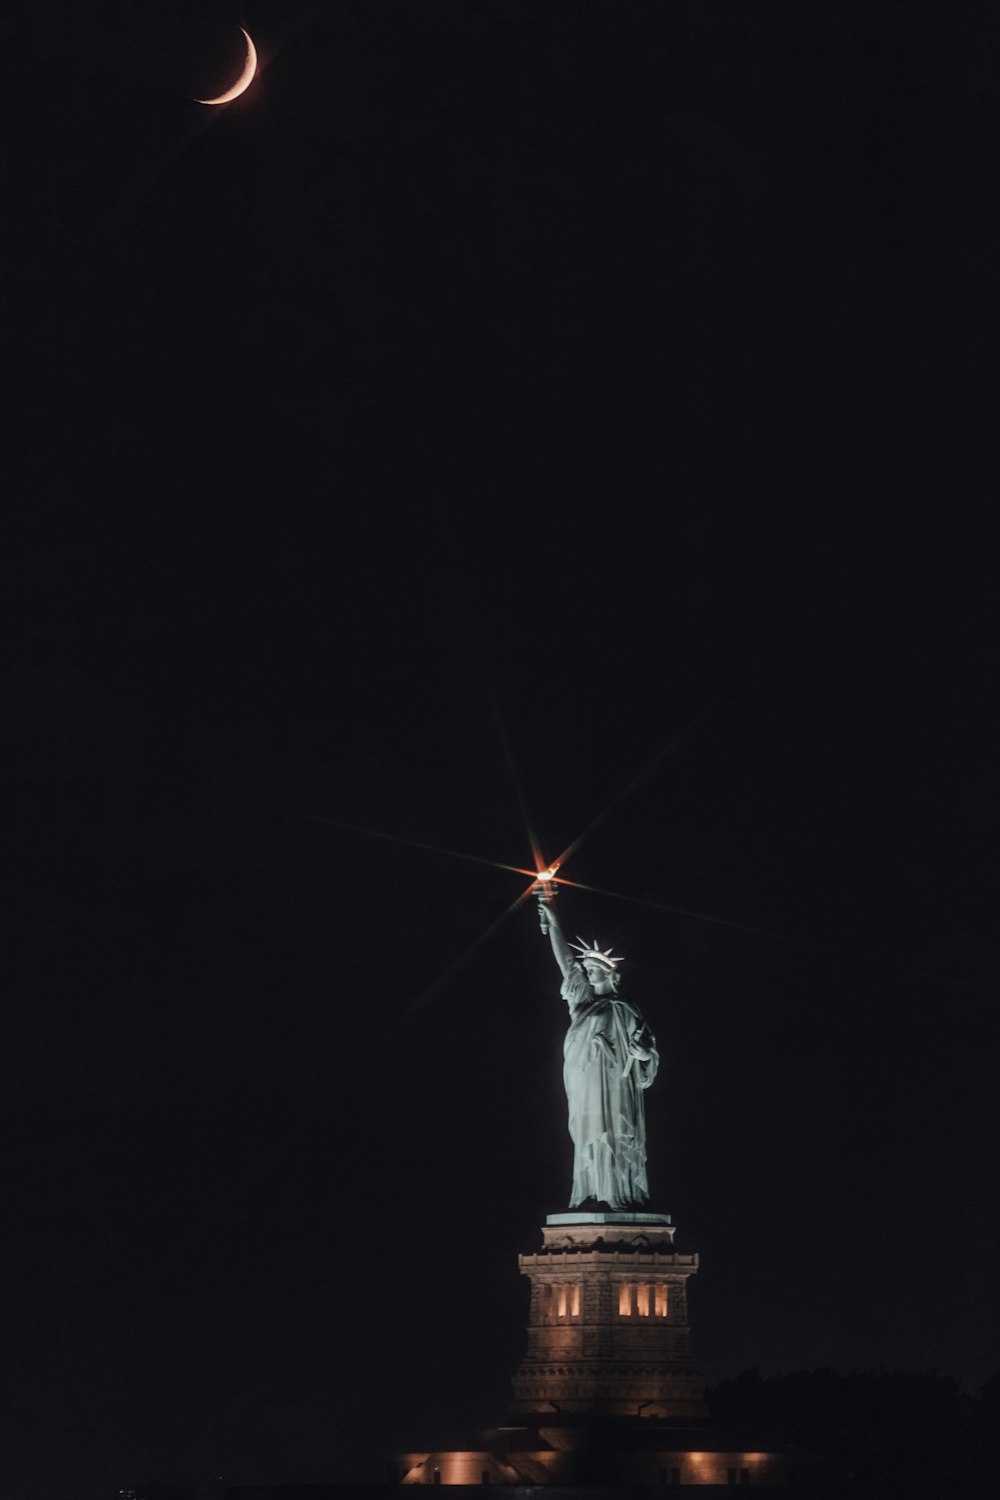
635, 1047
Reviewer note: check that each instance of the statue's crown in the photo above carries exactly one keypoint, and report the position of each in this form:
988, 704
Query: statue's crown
605, 957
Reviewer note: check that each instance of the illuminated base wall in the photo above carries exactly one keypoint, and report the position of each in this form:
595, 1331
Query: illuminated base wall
573, 1462
608, 1328
607, 1396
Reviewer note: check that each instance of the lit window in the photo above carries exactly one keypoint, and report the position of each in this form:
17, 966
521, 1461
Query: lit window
574, 1306
625, 1300
660, 1301
642, 1300
562, 1302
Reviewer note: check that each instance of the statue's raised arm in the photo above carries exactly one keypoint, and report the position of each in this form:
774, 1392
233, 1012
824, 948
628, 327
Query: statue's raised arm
560, 947
609, 1059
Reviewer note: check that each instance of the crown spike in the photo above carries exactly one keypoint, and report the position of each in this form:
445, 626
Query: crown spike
594, 951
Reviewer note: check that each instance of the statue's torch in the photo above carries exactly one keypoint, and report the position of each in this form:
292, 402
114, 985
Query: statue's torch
544, 888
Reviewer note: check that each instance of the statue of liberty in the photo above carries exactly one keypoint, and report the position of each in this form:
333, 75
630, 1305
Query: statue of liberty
609, 1059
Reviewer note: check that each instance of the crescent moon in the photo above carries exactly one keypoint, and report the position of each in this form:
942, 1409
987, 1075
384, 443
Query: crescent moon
245, 79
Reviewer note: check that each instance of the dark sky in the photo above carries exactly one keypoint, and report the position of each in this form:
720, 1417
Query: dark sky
493, 395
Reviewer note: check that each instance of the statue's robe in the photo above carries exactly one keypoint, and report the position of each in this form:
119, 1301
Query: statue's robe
604, 1087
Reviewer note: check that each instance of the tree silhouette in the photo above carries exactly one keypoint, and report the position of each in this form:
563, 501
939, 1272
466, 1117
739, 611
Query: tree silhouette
875, 1432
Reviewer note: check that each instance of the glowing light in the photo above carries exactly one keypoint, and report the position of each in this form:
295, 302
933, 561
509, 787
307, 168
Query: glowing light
660, 1295
642, 1300
544, 878
625, 1300
245, 79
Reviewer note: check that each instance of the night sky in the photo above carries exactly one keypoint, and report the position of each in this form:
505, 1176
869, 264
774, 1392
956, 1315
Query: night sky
580, 409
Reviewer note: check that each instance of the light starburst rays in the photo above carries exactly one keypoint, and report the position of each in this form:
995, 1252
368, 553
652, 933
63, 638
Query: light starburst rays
674, 911
459, 964
544, 877
634, 784
522, 800
397, 838
544, 874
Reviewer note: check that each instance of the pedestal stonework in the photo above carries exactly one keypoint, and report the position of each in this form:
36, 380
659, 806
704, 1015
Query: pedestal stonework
606, 1398
608, 1328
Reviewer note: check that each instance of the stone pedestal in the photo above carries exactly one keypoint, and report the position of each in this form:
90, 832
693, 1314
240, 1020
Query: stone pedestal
608, 1328
606, 1398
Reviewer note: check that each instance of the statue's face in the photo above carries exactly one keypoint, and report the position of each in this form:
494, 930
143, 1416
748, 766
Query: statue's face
600, 978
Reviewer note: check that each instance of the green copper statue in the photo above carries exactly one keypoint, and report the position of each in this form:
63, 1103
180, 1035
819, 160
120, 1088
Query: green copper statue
609, 1059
